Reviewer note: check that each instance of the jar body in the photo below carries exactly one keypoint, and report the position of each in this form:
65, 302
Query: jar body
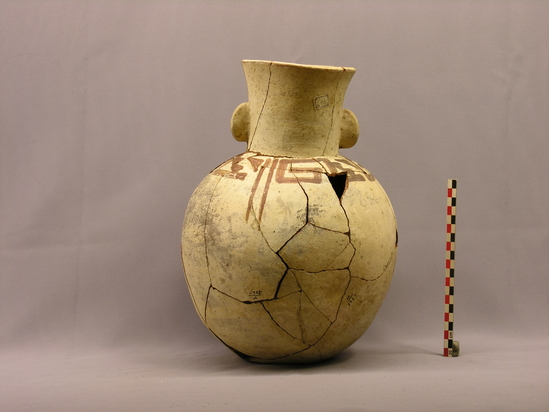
288, 259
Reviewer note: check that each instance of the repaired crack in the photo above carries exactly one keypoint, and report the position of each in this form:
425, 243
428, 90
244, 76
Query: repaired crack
263, 106
206, 305
304, 192
302, 227
281, 280
206, 247
263, 236
206, 228
278, 324
342, 296
350, 260
300, 351
383, 271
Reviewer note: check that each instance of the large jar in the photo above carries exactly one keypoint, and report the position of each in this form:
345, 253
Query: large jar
289, 248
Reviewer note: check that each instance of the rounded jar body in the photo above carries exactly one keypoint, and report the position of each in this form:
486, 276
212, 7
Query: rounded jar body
289, 251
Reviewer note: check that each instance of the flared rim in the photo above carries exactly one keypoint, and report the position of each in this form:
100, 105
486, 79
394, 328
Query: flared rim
297, 65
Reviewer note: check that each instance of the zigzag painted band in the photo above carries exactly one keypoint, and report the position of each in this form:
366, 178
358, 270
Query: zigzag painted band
450, 256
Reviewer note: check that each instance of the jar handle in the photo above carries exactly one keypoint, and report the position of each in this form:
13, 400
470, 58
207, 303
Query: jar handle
240, 122
240, 126
349, 129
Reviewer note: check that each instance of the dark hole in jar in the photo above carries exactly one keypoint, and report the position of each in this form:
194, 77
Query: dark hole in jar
339, 183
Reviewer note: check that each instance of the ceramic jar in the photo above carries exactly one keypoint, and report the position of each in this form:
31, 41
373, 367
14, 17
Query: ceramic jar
289, 248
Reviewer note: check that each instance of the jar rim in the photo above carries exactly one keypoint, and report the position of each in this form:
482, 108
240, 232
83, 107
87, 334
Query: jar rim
298, 65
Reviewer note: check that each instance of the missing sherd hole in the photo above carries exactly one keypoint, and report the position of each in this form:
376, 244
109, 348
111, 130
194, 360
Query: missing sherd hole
339, 183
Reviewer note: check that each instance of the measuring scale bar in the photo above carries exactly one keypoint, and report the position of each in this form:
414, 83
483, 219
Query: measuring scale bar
451, 346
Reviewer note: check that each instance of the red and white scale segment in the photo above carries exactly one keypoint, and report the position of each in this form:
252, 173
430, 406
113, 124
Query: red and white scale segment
451, 347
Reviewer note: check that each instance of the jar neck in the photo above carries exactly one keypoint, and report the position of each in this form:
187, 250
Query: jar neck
295, 110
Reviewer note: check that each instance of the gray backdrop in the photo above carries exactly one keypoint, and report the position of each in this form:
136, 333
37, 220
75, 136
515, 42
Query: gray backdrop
113, 111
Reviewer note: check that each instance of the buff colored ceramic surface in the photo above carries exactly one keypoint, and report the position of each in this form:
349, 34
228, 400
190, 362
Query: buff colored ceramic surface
289, 248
